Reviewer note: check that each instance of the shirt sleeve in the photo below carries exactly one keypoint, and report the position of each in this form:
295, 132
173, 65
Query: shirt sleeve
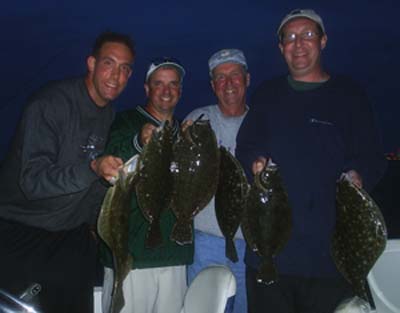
41, 174
250, 145
364, 145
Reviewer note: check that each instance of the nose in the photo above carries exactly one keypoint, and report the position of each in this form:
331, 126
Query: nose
298, 41
166, 90
115, 73
228, 81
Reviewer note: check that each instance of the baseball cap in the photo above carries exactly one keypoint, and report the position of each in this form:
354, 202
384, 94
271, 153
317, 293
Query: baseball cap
226, 56
307, 13
165, 61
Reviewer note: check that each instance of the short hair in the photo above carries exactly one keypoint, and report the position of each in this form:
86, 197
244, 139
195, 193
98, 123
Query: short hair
109, 36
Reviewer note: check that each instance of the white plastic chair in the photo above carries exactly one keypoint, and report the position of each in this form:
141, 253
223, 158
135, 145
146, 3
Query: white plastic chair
384, 279
97, 292
211, 291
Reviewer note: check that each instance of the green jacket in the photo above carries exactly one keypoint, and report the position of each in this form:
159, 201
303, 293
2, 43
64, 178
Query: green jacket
124, 142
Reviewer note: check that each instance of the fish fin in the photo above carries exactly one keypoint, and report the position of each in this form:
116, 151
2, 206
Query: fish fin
267, 273
154, 237
118, 301
182, 233
230, 250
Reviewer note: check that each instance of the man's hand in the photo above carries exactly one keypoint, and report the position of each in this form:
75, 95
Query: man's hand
355, 178
258, 165
186, 124
146, 133
106, 166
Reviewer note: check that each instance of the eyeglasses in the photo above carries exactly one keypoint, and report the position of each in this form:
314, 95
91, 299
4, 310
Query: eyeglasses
291, 37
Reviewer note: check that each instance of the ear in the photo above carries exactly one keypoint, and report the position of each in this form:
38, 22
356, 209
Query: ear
281, 47
146, 88
212, 85
91, 63
247, 79
324, 40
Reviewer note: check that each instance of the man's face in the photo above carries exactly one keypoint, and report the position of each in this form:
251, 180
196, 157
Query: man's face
301, 47
163, 90
230, 82
108, 73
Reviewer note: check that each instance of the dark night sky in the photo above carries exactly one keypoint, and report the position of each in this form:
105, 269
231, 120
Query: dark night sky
46, 40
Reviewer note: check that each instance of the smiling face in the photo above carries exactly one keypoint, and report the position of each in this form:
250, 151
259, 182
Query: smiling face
108, 73
230, 82
163, 90
303, 51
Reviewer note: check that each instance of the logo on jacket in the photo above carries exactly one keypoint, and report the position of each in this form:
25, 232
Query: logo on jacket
94, 146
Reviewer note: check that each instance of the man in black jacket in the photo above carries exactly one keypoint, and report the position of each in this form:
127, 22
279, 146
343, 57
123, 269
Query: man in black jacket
52, 177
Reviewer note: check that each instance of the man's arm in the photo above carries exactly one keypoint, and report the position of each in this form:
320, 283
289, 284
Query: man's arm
365, 159
250, 142
42, 176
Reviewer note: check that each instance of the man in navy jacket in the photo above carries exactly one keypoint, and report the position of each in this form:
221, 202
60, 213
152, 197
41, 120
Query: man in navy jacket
315, 126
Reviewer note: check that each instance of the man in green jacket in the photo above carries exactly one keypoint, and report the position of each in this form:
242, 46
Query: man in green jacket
157, 281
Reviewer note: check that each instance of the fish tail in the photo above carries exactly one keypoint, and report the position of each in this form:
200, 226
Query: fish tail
363, 291
230, 250
182, 233
267, 273
154, 237
118, 301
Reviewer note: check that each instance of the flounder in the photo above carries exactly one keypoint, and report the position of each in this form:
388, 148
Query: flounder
154, 182
360, 235
267, 220
194, 168
230, 199
113, 227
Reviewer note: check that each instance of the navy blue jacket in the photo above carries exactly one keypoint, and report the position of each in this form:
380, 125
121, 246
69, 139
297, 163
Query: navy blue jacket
313, 136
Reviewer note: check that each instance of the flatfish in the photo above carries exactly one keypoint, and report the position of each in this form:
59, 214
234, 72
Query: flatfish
113, 227
230, 199
154, 182
267, 220
194, 168
360, 235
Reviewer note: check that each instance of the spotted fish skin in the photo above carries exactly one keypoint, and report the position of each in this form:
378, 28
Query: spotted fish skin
113, 228
360, 235
230, 199
154, 180
194, 168
267, 220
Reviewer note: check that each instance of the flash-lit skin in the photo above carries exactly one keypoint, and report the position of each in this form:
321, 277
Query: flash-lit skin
303, 57
163, 90
230, 82
107, 76
108, 73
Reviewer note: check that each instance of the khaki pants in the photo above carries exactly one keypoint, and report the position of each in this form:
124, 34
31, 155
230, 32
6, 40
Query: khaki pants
150, 290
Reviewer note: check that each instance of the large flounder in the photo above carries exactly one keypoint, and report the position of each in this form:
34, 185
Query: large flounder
154, 182
230, 199
360, 235
113, 228
194, 168
267, 220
